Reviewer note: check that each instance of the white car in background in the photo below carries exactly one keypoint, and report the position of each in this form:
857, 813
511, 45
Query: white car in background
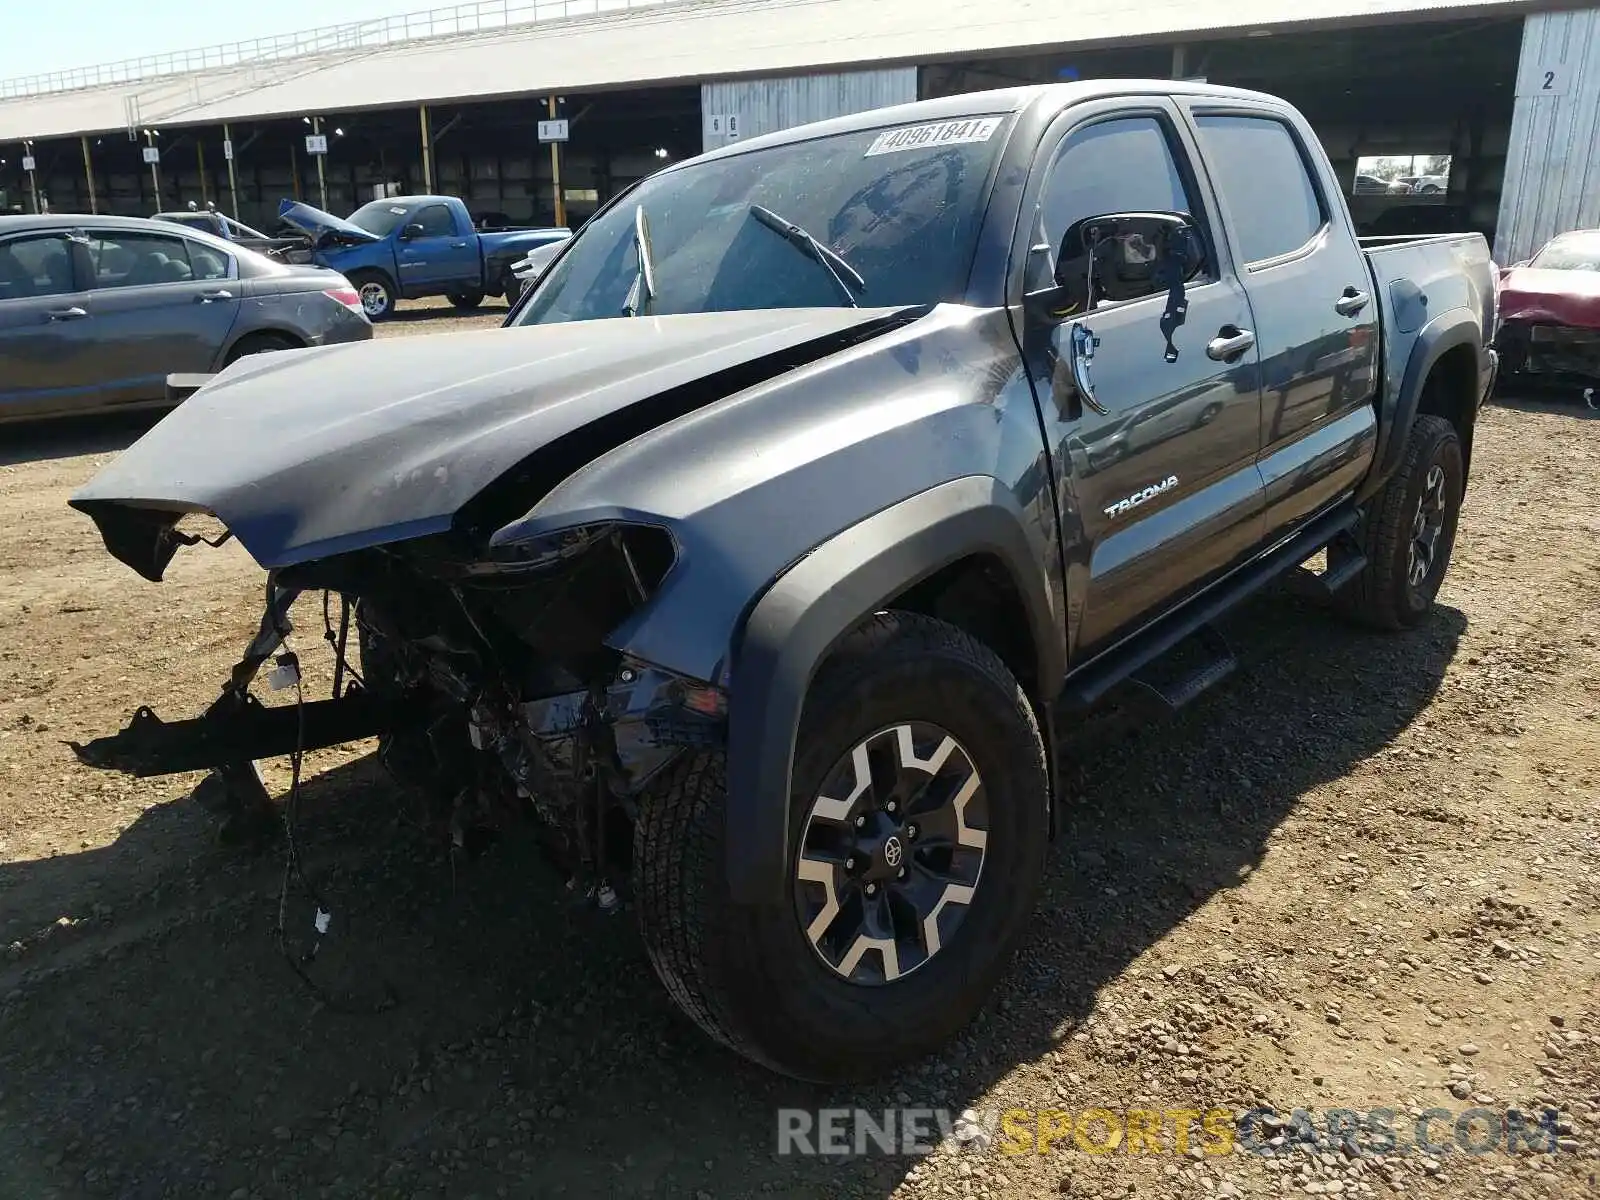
526, 271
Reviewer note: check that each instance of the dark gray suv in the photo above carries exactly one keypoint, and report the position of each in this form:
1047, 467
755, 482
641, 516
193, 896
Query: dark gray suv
96, 312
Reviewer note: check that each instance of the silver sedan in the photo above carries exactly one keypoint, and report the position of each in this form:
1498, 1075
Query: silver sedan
96, 312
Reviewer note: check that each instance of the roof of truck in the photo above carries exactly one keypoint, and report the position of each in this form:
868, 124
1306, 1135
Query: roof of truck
1050, 96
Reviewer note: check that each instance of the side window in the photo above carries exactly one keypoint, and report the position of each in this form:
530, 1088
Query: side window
206, 263
35, 266
435, 221
120, 259
1262, 175
1122, 165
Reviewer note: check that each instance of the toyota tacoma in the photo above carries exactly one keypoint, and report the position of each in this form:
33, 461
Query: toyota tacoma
812, 489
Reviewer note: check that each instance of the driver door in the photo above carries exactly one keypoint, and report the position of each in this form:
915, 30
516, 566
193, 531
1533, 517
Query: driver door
438, 258
1156, 462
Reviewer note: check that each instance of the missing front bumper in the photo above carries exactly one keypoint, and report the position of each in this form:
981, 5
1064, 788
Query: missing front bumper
239, 728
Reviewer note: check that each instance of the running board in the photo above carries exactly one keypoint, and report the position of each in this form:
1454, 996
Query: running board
1090, 683
1345, 561
1217, 663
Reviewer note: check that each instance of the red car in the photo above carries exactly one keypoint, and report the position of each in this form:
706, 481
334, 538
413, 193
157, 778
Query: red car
1550, 313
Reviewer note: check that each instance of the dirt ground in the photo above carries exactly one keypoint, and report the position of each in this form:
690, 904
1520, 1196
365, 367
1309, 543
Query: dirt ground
1360, 875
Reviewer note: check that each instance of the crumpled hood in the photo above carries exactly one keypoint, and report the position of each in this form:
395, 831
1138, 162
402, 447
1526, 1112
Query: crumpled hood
1562, 297
307, 453
317, 224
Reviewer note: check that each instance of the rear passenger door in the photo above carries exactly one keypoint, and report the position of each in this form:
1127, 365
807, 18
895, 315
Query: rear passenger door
158, 303
1316, 322
1188, 426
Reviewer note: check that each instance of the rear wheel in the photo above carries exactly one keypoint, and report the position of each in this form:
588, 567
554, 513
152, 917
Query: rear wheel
1410, 531
511, 287
376, 292
465, 299
261, 343
918, 820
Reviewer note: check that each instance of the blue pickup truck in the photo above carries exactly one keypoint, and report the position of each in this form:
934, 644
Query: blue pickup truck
404, 247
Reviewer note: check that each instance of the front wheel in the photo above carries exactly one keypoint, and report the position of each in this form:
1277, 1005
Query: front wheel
918, 822
377, 294
1410, 531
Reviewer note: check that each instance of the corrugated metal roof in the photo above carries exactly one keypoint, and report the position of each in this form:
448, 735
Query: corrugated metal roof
681, 43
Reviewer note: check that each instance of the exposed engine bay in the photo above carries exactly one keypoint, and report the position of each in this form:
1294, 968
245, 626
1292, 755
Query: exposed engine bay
487, 683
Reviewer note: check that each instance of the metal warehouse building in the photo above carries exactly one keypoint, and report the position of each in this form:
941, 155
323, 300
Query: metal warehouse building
1479, 114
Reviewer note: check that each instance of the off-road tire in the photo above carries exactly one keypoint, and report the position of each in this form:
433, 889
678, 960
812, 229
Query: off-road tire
748, 975
465, 301
1382, 596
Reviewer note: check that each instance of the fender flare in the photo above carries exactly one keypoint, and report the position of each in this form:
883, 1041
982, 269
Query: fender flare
794, 624
1438, 337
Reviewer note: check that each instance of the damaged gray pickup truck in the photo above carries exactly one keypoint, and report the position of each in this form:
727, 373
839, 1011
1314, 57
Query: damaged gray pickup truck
929, 428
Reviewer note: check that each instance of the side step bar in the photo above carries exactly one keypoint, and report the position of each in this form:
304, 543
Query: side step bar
1346, 560
1219, 662
1089, 683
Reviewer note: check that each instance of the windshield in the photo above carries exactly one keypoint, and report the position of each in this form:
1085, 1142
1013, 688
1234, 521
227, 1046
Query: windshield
900, 207
1570, 254
380, 217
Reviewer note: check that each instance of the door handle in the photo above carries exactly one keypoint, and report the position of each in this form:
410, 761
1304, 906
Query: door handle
1081, 345
1352, 302
1230, 342
219, 294
460, 245
67, 314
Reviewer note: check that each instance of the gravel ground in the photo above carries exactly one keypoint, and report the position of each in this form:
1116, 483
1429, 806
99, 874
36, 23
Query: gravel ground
1359, 875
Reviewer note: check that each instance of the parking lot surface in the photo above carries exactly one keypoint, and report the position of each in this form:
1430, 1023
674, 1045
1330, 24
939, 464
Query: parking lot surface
1362, 874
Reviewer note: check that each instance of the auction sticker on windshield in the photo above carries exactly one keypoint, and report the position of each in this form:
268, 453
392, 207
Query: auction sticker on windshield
942, 133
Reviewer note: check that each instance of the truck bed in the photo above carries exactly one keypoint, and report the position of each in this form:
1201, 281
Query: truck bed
1420, 280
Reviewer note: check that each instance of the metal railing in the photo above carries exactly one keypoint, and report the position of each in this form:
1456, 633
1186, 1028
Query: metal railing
476, 17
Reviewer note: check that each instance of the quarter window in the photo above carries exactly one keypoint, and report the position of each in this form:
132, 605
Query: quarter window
1261, 173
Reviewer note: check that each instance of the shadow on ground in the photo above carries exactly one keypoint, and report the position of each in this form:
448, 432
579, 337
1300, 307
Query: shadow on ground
69, 437
165, 1049
1557, 401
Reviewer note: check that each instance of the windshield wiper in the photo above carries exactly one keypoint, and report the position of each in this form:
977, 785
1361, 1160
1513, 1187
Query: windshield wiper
643, 291
838, 270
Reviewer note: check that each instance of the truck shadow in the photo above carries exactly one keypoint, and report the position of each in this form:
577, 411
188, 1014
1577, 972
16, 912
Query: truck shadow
163, 1047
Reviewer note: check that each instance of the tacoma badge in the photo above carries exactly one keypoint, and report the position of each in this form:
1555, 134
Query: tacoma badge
1141, 497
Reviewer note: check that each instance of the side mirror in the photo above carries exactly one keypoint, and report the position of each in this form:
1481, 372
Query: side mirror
1122, 256
414, 230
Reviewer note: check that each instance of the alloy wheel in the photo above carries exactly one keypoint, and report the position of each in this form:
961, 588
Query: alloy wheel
891, 854
374, 299
1427, 526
